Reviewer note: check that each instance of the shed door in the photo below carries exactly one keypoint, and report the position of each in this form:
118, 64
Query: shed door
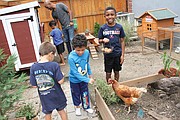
20, 39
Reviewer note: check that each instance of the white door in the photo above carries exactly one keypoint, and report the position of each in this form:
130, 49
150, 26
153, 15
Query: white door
23, 40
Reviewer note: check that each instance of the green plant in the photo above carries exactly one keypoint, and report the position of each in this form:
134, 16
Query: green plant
107, 92
11, 86
26, 111
128, 29
96, 29
178, 66
166, 61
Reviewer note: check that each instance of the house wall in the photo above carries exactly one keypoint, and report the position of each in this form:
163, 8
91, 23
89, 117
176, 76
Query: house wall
140, 6
4, 43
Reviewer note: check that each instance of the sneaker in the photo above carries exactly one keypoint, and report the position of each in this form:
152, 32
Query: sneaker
177, 50
90, 110
78, 111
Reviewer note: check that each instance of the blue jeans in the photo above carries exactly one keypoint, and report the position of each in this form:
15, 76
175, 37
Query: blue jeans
68, 36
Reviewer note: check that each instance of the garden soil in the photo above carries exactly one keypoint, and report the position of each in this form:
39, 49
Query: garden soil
137, 65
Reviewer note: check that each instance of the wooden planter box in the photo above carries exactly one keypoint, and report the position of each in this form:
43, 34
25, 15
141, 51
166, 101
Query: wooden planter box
21, 118
103, 108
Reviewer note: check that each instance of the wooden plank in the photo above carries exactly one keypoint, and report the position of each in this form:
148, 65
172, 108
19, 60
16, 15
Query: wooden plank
157, 116
143, 80
102, 107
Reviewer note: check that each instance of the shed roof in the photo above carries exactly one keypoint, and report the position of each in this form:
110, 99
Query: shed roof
19, 7
160, 14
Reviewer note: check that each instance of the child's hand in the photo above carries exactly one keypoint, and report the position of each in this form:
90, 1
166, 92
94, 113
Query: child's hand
91, 81
105, 40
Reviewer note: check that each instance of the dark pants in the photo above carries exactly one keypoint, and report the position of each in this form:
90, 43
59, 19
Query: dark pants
68, 35
80, 94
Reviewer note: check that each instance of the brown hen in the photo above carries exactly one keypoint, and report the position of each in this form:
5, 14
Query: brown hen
128, 94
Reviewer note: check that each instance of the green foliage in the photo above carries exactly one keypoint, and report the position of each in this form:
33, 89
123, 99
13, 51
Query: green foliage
178, 65
166, 61
11, 86
26, 111
96, 29
128, 29
107, 92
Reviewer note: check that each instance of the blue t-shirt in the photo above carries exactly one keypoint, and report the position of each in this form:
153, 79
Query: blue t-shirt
113, 33
79, 67
46, 76
57, 36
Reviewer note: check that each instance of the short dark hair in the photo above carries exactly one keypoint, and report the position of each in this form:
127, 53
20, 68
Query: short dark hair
45, 48
109, 8
52, 23
79, 41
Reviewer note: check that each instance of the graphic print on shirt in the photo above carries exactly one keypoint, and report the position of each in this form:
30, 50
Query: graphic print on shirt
44, 82
82, 67
111, 33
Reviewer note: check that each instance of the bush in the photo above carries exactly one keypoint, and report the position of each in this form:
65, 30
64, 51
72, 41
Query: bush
26, 111
107, 92
96, 29
128, 29
11, 86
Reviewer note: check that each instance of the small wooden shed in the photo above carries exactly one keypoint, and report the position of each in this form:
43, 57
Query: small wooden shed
19, 26
154, 19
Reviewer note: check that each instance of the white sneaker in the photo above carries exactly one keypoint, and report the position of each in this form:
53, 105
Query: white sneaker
90, 110
78, 111
177, 50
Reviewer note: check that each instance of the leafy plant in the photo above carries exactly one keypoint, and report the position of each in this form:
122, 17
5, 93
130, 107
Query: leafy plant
11, 86
178, 66
96, 29
26, 111
128, 29
107, 92
166, 61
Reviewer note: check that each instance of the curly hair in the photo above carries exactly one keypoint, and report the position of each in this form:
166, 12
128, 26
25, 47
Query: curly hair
79, 41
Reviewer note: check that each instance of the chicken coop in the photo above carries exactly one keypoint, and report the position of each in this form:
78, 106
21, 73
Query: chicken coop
19, 26
153, 22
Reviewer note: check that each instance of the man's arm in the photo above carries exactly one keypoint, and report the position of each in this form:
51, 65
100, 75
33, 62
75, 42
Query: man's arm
71, 16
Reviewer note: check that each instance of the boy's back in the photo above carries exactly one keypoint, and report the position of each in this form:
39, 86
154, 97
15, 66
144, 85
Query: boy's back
45, 76
57, 36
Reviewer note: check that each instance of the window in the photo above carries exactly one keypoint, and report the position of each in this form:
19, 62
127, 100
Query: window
149, 27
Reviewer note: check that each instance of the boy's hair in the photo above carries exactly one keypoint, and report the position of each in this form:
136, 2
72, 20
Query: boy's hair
109, 8
45, 48
52, 23
79, 41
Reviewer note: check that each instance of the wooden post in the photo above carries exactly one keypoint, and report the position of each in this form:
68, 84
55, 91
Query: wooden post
157, 40
143, 39
171, 42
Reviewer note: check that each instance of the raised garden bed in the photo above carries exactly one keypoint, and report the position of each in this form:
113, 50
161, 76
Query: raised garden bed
154, 104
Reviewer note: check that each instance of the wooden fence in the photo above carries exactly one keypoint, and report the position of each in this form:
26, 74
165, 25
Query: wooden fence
86, 12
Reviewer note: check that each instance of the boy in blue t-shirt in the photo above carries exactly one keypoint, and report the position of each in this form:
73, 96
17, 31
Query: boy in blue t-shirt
80, 74
47, 77
57, 40
112, 35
